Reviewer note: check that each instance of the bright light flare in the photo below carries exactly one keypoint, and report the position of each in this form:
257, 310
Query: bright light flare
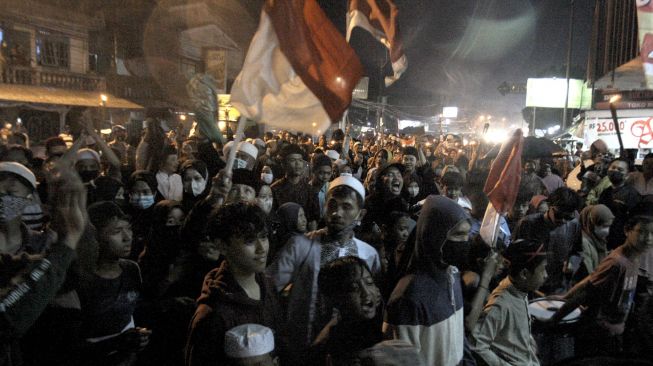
496, 136
615, 98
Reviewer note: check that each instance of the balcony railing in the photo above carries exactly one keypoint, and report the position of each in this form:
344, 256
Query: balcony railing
58, 79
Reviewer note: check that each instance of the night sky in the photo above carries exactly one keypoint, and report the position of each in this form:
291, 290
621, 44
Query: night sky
460, 51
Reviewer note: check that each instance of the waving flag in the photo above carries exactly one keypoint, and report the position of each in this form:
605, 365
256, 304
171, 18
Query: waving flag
299, 69
645, 25
379, 17
502, 185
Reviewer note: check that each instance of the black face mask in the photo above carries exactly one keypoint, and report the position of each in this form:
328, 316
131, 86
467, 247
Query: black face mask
456, 253
89, 175
615, 176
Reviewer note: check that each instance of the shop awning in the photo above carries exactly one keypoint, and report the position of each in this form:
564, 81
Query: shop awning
65, 97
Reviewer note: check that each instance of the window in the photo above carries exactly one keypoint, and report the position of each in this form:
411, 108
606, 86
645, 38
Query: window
52, 50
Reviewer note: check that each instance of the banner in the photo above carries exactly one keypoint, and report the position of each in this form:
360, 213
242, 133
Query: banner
636, 133
645, 22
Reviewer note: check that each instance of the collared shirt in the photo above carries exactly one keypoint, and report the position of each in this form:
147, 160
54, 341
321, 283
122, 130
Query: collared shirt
502, 335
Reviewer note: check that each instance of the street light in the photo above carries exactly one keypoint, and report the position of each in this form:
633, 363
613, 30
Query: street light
104, 99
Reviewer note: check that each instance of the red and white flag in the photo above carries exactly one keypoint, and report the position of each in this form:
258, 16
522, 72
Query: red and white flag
645, 28
502, 185
299, 72
379, 17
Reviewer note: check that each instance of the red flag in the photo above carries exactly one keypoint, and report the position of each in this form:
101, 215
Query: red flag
379, 17
502, 183
298, 70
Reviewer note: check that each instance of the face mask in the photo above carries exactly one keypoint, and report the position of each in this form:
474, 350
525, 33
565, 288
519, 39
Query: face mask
267, 177
198, 187
413, 192
142, 202
240, 163
265, 204
11, 207
89, 175
602, 232
615, 177
455, 253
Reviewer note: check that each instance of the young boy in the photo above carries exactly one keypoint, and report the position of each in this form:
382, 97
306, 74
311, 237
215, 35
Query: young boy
108, 296
237, 292
348, 287
608, 293
502, 334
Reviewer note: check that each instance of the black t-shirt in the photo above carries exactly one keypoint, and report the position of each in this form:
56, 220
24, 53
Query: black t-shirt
108, 304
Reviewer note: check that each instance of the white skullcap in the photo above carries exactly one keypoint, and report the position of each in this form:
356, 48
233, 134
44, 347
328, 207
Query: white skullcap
88, 154
248, 149
341, 162
248, 340
348, 181
332, 154
226, 148
19, 170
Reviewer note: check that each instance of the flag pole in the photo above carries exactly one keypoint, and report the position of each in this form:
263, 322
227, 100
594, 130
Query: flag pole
237, 138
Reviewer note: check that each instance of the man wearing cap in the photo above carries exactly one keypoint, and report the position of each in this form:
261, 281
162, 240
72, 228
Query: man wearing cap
127, 151
246, 156
29, 282
294, 187
17, 186
298, 264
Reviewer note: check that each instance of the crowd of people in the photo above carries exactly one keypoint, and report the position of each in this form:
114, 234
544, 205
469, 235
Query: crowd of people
354, 250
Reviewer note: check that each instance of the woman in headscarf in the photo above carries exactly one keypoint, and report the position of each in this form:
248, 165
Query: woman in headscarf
162, 246
292, 221
195, 177
141, 195
595, 222
426, 307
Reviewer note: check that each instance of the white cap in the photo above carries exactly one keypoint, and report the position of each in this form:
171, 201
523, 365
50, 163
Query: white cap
248, 340
348, 181
332, 154
226, 148
248, 149
341, 162
88, 154
20, 170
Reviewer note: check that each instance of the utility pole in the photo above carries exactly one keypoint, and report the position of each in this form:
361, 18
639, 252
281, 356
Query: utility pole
569, 49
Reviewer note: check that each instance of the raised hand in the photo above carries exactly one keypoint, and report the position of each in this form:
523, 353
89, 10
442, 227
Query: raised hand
68, 197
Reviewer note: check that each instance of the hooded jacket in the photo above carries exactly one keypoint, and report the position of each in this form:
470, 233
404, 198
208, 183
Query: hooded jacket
223, 305
426, 307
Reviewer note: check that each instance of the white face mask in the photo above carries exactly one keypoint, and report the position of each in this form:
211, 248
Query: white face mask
198, 187
240, 163
413, 192
602, 232
265, 204
267, 177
